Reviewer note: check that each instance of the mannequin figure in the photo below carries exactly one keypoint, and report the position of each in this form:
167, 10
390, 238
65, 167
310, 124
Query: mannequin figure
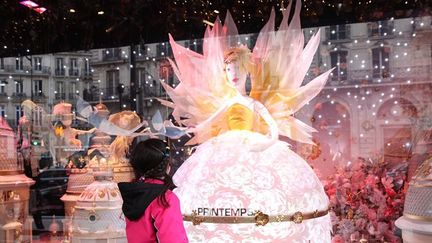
100, 142
241, 112
24, 146
242, 183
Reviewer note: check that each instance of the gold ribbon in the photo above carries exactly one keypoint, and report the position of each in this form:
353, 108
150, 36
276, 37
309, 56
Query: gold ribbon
259, 219
416, 185
416, 217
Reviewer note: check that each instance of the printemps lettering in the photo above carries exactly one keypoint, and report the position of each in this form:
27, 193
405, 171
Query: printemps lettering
225, 212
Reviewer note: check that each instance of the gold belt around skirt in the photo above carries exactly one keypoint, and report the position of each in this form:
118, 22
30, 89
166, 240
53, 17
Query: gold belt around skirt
259, 219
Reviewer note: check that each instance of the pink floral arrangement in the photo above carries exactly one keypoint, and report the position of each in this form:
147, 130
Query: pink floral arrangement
366, 198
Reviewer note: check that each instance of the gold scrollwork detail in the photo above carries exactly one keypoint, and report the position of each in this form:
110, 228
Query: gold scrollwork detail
8, 195
196, 220
316, 213
280, 218
113, 192
17, 233
101, 194
261, 218
297, 218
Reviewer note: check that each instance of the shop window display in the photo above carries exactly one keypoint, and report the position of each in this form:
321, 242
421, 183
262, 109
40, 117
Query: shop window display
371, 146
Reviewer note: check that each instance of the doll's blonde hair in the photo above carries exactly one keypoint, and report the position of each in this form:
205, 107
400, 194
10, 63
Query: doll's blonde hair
120, 146
240, 54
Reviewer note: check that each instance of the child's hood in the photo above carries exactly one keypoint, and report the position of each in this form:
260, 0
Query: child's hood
137, 196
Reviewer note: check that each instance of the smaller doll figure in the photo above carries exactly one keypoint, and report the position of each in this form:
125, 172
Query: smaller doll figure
24, 146
100, 141
63, 135
120, 146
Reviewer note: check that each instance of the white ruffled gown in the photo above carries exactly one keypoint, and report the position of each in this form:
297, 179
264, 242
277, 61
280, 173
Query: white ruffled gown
224, 173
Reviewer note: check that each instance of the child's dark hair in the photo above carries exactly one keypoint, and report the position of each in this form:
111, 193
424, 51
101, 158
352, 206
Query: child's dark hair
150, 159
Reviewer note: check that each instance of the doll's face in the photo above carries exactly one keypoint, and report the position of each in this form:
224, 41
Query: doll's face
235, 75
65, 119
125, 121
67, 122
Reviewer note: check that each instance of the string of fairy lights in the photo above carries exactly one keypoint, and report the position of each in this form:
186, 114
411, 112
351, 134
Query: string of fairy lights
380, 80
359, 59
71, 25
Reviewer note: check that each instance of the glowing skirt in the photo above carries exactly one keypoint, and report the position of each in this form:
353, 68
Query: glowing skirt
223, 176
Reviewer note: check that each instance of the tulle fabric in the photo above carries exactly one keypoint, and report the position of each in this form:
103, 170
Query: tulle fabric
224, 173
278, 65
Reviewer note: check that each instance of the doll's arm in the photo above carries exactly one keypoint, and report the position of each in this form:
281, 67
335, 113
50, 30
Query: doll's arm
81, 132
209, 120
222, 110
273, 128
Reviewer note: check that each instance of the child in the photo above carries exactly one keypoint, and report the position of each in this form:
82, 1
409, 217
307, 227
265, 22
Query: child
152, 210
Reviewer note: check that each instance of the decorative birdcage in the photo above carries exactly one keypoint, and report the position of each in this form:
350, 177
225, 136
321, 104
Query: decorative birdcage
14, 189
98, 214
416, 222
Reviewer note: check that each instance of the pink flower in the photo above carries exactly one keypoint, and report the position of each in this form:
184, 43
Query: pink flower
375, 197
370, 180
338, 239
371, 214
390, 192
331, 191
389, 212
381, 211
361, 223
387, 182
371, 229
346, 228
354, 236
334, 218
363, 210
357, 166
333, 200
382, 228
347, 185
